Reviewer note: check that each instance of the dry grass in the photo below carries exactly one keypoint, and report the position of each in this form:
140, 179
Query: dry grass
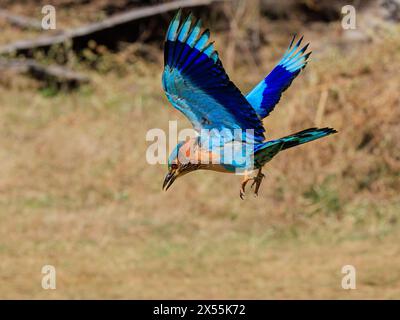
77, 193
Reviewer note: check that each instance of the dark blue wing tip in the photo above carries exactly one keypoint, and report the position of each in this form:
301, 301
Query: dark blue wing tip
295, 57
299, 42
293, 38
304, 48
184, 31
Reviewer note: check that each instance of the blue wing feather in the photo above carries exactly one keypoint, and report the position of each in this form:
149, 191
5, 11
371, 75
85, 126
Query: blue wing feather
268, 92
184, 31
196, 83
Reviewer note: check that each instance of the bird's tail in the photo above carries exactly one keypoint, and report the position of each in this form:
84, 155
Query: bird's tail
266, 151
304, 136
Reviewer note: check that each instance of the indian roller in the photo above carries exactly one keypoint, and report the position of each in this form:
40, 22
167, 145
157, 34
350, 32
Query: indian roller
196, 84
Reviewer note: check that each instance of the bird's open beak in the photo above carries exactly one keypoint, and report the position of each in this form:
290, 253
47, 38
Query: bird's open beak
169, 180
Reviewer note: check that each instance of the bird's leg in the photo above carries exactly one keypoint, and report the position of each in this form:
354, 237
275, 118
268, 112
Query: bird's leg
257, 181
246, 179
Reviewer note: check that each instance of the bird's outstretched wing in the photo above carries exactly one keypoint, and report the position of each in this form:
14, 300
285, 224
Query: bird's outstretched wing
268, 92
196, 83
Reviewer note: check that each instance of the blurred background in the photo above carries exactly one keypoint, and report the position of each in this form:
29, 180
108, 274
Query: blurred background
77, 193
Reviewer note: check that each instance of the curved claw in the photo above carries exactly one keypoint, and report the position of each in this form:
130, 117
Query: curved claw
256, 182
243, 188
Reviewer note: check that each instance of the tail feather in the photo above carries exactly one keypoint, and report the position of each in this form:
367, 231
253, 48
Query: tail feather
305, 136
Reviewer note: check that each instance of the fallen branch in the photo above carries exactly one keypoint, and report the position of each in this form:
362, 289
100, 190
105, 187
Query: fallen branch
111, 22
55, 73
20, 21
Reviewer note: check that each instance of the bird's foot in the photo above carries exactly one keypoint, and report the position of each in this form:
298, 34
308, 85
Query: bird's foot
243, 187
256, 182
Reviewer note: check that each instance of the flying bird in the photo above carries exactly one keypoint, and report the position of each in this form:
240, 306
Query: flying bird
196, 84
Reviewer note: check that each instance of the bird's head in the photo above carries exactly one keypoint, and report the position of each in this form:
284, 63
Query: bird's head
176, 167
